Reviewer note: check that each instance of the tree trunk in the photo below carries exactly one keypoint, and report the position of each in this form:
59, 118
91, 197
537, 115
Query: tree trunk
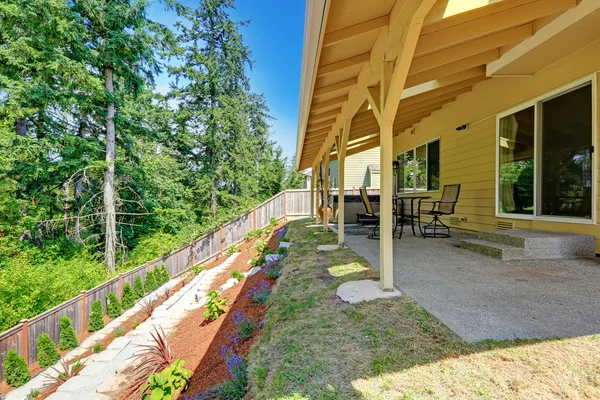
109, 178
66, 207
79, 186
21, 127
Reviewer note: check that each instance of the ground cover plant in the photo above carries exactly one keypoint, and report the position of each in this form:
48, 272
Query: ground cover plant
315, 346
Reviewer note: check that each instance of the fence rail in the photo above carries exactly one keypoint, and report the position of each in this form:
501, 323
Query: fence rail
22, 337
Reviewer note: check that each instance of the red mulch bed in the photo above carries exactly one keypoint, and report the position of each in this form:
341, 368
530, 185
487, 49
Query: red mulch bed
199, 342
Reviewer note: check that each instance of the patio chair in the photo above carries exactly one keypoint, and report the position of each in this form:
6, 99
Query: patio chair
445, 206
369, 211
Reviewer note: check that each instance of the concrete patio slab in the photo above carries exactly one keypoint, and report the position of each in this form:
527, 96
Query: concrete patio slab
479, 297
358, 291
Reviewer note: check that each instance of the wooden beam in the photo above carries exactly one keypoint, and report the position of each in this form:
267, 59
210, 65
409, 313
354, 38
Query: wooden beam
453, 68
326, 115
320, 125
355, 30
365, 122
476, 72
343, 64
317, 133
460, 28
333, 87
474, 47
408, 111
442, 91
373, 95
328, 104
404, 107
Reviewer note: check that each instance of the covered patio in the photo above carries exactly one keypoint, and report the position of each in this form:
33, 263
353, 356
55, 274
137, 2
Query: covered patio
479, 297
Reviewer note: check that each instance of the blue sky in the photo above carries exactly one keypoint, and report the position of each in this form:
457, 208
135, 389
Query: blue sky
274, 35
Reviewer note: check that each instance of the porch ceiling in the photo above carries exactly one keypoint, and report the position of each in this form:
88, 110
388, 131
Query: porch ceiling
449, 60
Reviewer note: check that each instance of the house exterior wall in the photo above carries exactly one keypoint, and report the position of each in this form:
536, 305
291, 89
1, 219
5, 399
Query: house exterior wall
357, 172
470, 157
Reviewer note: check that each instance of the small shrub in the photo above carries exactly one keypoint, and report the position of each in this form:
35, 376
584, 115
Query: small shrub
253, 234
259, 294
34, 393
269, 230
148, 305
161, 275
120, 331
235, 274
164, 385
272, 270
47, 354
237, 386
16, 372
231, 250
267, 252
166, 292
150, 284
68, 337
138, 287
135, 324
245, 326
113, 306
128, 297
273, 222
215, 306
260, 246
282, 251
96, 321
69, 370
196, 269
165, 273
97, 349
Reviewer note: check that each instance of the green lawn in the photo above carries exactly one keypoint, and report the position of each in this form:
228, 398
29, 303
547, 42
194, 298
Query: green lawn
317, 347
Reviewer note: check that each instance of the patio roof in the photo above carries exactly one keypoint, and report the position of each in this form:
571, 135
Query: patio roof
434, 51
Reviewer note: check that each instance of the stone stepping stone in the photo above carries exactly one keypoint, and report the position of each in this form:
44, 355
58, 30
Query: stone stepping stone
119, 343
93, 369
253, 271
231, 282
99, 396
327, 247
366, 290
75, 383
105, 356
63, 396
285, 245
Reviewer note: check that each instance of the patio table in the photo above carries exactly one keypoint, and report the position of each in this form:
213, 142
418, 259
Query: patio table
408, 214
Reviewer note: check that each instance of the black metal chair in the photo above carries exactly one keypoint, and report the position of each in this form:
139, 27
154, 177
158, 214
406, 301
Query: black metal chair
369, 211
445, 206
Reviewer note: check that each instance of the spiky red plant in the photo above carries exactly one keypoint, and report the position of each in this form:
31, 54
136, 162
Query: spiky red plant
148, 305
155, 357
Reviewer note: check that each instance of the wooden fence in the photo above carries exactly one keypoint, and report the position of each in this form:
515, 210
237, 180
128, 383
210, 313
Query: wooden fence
22, 337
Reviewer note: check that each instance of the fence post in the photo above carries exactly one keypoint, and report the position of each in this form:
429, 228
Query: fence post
221, 239
254, 218
120, 287
148, 266
25, 339
285, 205
192, 255
83, 310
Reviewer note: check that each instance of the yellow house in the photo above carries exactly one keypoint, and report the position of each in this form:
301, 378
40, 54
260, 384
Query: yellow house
498, 96
362, 169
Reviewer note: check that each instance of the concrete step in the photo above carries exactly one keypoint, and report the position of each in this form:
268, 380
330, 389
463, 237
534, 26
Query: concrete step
528, 245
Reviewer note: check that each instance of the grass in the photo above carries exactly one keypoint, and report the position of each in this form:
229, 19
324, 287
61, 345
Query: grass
317, 347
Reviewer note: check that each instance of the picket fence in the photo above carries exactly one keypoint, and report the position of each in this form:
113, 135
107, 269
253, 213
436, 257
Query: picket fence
22, 337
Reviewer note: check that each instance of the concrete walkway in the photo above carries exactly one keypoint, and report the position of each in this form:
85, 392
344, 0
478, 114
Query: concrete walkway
479, 297
106, 373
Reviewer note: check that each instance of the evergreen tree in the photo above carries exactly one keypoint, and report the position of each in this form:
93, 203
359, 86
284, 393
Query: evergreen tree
128, 296
96, 321
138, 287
16, 372
47, 354
68, 338
113, 306
150, 283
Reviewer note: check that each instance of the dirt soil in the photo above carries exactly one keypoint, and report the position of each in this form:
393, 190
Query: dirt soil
199, 342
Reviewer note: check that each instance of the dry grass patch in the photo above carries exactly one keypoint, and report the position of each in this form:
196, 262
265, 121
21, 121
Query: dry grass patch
317, 347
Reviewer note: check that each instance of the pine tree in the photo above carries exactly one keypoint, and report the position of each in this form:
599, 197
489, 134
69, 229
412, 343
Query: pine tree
16, 372
150, 283
96, 321
138, 287
68, 338
128, 297
113, 306
47, 354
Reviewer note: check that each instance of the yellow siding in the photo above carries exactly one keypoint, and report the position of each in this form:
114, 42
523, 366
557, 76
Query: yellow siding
357, 172
469, 157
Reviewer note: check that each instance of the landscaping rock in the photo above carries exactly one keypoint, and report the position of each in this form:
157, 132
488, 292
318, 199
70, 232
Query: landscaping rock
327, 247
112, 387
99, 396
253, 271
62, 396
231, 282
106, 355
357, 291
75, 383
285, 245
273, 258
92, 369
119, 343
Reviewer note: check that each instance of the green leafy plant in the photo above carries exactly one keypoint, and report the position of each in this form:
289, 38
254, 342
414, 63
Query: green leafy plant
47, 354
253, 234
97, 348
128, 297
66, 372
34, 393
136, 323
68, 337
235, 274
120, 331
245, 326
113, 306
273, 222
231, 250
282, 251
260, 246
16, 372
150, 284
164, 384
96, 321
196, 269
138, 287
215, 306
269, 230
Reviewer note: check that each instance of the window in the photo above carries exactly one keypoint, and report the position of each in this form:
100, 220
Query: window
545, 157
419, 169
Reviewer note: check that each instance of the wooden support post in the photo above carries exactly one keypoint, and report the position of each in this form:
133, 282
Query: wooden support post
221, 239
285, 205
120, 287
318, 193
312, 193
341, 145
386, 216
83, 310
25, 339
326, 189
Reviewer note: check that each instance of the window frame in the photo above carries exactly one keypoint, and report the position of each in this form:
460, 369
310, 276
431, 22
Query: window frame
414, 150
536, 102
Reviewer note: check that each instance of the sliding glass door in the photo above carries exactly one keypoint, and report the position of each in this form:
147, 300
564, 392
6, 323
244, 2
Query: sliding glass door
545, 157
